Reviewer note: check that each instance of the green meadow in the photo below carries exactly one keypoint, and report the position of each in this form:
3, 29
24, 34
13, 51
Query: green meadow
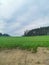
24, 42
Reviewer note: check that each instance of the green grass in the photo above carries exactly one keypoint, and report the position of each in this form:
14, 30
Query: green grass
24, 42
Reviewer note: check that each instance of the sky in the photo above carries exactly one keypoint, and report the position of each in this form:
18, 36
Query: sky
17, 16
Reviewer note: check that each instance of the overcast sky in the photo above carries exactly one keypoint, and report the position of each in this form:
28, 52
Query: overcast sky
16, 16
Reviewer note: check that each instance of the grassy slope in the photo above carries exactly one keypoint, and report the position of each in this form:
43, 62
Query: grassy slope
24, 42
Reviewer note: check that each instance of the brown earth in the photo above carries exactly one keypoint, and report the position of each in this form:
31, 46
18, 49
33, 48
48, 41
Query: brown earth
24, 57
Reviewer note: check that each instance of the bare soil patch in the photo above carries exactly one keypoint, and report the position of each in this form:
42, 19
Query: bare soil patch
24, 57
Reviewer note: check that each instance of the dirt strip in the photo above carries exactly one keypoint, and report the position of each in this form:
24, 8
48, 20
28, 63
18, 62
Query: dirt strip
24, 57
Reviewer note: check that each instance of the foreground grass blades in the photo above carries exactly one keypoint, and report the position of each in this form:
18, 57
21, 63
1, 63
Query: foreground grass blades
24, 42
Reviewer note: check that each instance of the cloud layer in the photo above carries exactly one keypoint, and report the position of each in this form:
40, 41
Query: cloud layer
16, 16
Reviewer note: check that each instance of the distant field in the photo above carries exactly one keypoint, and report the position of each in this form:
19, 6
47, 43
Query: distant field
24, 42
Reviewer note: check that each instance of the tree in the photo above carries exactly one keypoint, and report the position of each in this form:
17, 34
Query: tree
6, 35
26, 32
0, 34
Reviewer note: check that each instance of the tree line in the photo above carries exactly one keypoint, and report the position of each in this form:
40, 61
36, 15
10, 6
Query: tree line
4, 34
37, 31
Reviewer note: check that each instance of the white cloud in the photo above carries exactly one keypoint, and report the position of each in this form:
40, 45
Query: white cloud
38, 23
19, 15
35, 24
2, 25
9, 6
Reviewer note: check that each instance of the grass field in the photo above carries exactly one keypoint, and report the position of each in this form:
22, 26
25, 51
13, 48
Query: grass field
24, 42
23, 50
